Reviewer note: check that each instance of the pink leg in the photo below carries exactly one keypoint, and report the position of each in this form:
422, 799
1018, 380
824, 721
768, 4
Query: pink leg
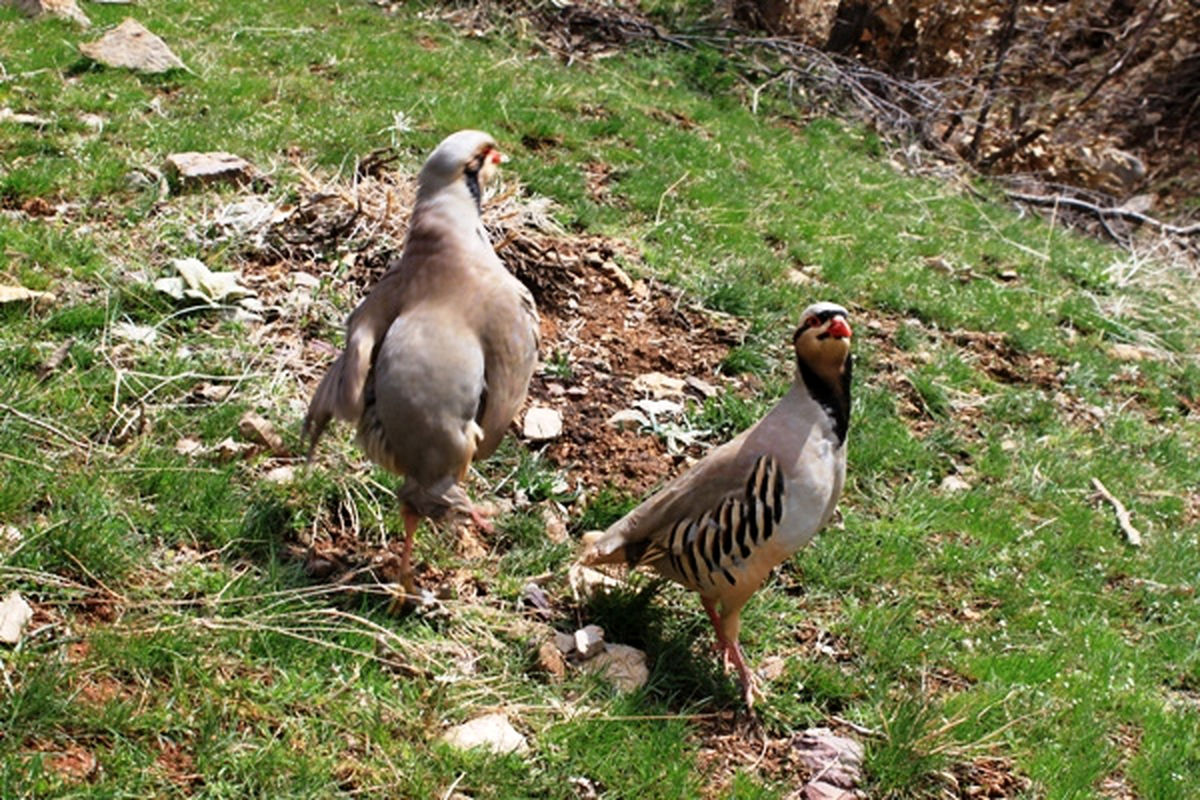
721, 646
731, 654
750, 689
411, 521
479, 518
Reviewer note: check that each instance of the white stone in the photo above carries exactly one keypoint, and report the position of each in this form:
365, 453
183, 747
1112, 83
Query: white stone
701, 386
280, 475
131, 332
953, 483
15, 614
585, 581
659, 408
589, 641
622, 665
493, 732
628, 419
131, 46
542, 424
658, 385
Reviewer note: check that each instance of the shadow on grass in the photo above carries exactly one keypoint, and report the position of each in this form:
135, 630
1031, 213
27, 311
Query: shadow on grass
685, 674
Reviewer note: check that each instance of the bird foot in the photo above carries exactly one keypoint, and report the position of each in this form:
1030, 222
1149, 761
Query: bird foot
479, 518
421, 602
405, 598
750, 691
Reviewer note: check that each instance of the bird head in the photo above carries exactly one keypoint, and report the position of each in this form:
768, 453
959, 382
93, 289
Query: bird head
464, 160
822, 341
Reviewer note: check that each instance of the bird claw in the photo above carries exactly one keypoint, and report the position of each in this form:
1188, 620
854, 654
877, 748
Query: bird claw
479, 518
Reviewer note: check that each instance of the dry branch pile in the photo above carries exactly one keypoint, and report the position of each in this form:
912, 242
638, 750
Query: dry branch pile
1090, 108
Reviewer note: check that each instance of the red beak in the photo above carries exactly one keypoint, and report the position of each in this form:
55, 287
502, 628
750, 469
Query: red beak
838, 328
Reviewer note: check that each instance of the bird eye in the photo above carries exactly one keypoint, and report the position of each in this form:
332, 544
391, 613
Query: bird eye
812, 322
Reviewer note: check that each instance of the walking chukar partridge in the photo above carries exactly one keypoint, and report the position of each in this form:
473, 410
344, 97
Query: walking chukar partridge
439, 355
747, 506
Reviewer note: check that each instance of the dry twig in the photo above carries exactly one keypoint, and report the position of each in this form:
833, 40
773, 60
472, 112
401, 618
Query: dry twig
1132, 534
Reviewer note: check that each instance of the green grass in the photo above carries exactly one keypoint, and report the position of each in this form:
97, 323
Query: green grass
180, 645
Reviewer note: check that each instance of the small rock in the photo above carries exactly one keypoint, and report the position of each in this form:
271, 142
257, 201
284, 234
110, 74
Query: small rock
565, 642
227, 449
1139, 204
542, 424
556, 528
771, 668
280, 475
8, 115
304, 279
15, 614
257, 429
820, 790
1127, 352
577, 391
953, 483
93, 122
585, 788
188, 445
799, 277
211, 392
701, 387
658, 385
1008, 275
628, 419
207, 167
492, 732
131, 46
141, 334
13, 294
551, 661
659, 408
624, 666
10, 537
585, 581
837, 759
589, 641
534, 599
618, 275
65, 9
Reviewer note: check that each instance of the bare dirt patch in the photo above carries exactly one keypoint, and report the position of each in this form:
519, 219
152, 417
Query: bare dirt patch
70, 761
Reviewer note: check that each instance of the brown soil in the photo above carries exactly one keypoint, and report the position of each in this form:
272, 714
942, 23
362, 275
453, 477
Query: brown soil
609, 336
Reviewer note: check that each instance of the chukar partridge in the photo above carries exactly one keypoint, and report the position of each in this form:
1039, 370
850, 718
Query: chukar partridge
747, 506
439, 355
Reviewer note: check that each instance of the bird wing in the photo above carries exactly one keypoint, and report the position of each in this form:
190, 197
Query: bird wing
440, 256
510, 337
719, 476
788, 435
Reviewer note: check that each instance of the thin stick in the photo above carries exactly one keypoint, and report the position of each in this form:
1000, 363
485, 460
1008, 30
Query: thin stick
1132, 535
46, 426
662, 197
854, 726
1101, 212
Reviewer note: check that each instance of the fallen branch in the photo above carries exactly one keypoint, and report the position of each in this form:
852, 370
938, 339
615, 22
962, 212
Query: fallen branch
46, 426
1101, 213
1132, 534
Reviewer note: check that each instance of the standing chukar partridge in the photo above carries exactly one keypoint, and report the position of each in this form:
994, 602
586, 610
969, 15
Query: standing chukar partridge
439, 355
747, 506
